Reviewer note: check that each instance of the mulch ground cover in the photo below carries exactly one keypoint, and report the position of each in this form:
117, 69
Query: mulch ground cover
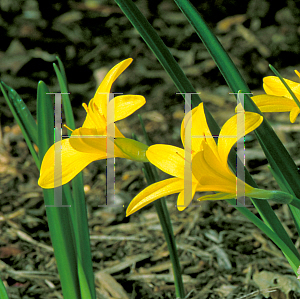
222, 254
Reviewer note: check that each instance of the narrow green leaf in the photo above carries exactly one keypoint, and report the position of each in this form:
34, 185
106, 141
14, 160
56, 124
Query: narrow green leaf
80, 221
157, 46
285, 187
59, 219
291, 256
45, 115
21, 125
62, 71
3, 293
84, 285
23, 112
82, 234
285, 84
65, 99
274, 150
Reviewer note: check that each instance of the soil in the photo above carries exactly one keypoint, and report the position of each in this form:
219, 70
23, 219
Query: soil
221, 252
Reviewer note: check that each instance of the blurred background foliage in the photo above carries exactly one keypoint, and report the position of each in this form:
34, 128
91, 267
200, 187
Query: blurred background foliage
92, 36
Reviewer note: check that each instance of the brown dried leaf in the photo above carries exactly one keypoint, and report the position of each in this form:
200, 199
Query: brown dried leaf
8, 251
225, 25
285, 283
110, 286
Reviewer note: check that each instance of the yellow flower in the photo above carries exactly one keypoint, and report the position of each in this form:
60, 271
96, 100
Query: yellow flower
277, 97
89, 143
210, 171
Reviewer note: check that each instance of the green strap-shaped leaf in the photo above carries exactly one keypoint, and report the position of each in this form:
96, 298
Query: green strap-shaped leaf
285, 84
18, 117
62, 71
23, 112
80, 223
3, 293
59, 219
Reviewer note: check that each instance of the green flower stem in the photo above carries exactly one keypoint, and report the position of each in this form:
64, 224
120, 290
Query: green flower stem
80, 223
62, 71
276, 153
65, 99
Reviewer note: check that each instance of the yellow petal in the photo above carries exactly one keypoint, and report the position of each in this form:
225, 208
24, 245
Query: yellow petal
222, 185
200, 129
93, 118
88, 141
153, 192
273, 86
100, 98
213, 176
196, 142
167, 158
269, 103
294, 113
183, 203
227, 137
217, 196
72, 163
208, 170
127, 104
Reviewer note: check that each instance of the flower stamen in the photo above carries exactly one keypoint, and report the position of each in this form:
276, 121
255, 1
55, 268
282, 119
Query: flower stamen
68, 128
86, 108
